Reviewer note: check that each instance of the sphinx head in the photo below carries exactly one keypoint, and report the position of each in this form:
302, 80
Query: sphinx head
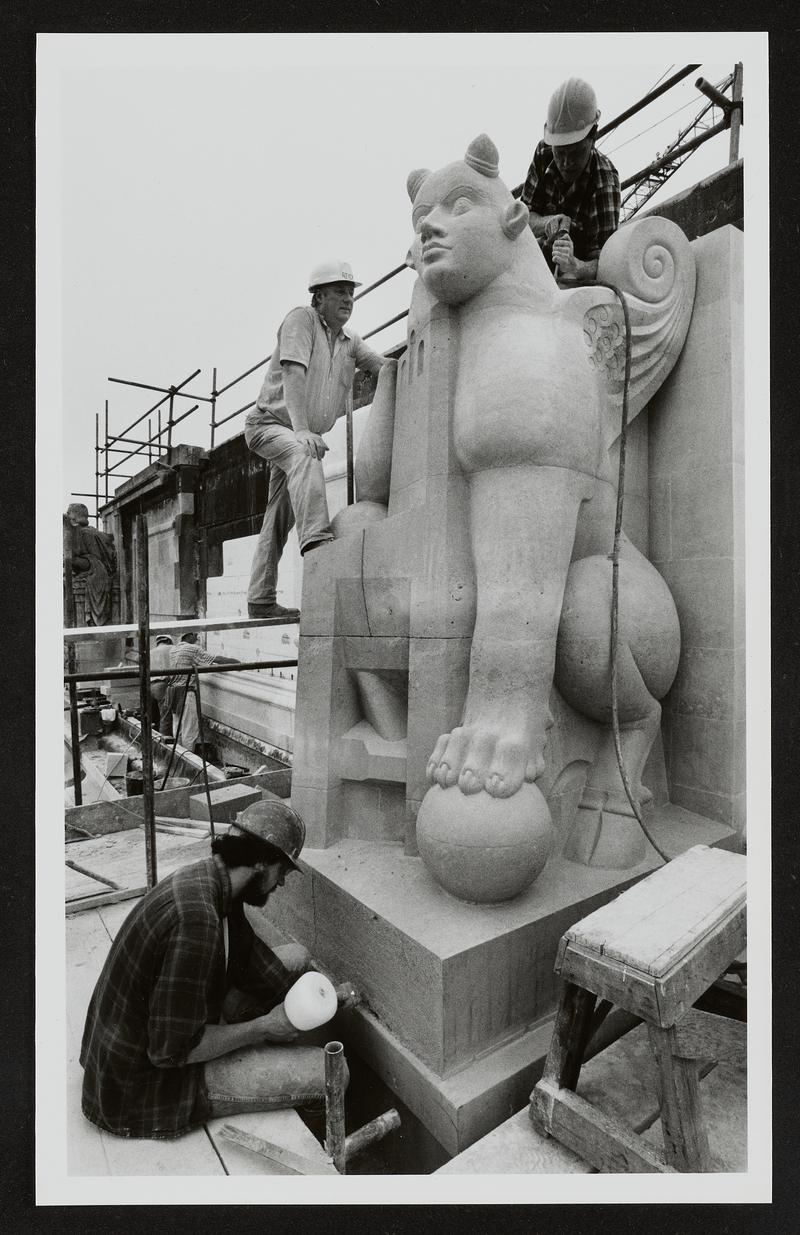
466, 224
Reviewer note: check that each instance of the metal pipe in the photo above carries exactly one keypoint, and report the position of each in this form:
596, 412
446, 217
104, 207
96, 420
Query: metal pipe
97, 469
238, 412
374, 1131
738, 114
378, 282
143, 615
648, 98
717, 98
677, 153
242, 376
175, 673
69, 599
350, 466
122, 381
169, 419
335, 1139
213, 404
106, 431
390, 322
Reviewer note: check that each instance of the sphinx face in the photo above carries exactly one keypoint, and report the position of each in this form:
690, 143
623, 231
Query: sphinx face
460, 244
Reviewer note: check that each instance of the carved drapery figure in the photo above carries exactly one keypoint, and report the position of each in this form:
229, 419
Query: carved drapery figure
93, 557
536, 413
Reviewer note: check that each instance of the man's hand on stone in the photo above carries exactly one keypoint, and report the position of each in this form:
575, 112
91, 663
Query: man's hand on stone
313, 443
556, 223
277, 1027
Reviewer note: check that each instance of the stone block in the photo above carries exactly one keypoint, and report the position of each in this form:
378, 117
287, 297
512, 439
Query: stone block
660, 520
322, 811
327, 707
703, 591
332, 601
705, 684
116, 763
226, 802
717, 806
449, 980
702, 510
702, 753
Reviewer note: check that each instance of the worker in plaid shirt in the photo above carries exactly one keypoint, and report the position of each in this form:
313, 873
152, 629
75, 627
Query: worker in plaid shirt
572, 190
186, 1022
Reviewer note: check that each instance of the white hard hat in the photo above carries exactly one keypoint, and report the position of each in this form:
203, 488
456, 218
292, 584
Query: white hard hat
571, 113
331, 272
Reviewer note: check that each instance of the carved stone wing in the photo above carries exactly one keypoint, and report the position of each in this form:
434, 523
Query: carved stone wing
652, 264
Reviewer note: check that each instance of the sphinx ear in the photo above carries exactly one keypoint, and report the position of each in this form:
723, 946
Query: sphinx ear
516, 219
415, 179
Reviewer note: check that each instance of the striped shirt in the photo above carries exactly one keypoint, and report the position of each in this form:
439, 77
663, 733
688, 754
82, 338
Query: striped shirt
592, 202
164, 980
305, 338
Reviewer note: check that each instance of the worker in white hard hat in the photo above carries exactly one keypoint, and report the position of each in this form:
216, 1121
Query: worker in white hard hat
572, 190
308, 383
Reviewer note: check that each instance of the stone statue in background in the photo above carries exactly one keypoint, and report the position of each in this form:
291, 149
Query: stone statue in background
538, 378
93, 557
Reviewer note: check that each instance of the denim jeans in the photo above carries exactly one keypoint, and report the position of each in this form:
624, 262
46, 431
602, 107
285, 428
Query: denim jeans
296, 491
264, 1078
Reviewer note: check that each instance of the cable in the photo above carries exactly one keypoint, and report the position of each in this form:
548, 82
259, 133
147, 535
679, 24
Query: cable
689, 103
615, 575
657, 82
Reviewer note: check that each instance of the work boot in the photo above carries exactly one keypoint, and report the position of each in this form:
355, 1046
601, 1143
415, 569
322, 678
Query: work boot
271, 609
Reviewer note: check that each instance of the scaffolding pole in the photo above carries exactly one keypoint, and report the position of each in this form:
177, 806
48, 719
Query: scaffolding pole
143, 615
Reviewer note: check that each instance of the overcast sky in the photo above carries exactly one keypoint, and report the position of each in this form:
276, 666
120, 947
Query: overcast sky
188, 183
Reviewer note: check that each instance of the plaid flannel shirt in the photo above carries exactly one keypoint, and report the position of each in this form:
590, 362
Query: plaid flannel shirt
592, 202
164, 980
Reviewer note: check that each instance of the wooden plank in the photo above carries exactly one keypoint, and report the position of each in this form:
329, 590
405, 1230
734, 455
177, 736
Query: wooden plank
171, 829
678, 990
636, 992
659, 911
571, 1032
81, 870
83, 904
290, 1163
606, 1143
702, 1035
685, 1136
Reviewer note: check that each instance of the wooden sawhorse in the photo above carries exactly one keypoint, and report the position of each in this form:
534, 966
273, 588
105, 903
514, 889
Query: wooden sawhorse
653, 952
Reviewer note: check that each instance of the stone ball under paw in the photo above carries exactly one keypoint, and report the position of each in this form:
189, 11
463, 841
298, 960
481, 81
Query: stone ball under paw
355, 518
484, 849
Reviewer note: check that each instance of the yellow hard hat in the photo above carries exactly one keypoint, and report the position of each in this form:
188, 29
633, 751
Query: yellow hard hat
331, 272
571, 113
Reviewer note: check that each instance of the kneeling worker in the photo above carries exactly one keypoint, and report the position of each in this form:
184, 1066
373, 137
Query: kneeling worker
308, 382
186, 1022
572, 190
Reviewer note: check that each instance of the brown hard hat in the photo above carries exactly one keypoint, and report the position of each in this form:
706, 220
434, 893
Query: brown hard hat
273, 821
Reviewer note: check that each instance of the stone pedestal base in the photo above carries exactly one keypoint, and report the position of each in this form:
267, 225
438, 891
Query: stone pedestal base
457, 997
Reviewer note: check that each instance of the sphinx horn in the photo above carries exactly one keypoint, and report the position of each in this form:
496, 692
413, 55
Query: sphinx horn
482, 156
415, 179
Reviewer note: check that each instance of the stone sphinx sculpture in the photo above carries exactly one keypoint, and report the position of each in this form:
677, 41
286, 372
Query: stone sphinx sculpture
93, 557
537, 380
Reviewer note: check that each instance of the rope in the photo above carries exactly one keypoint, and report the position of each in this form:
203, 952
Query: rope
615, 576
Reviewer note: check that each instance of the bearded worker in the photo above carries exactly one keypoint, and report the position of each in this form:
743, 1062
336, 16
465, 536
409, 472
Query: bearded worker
307, 386
187, 1022
572, 190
